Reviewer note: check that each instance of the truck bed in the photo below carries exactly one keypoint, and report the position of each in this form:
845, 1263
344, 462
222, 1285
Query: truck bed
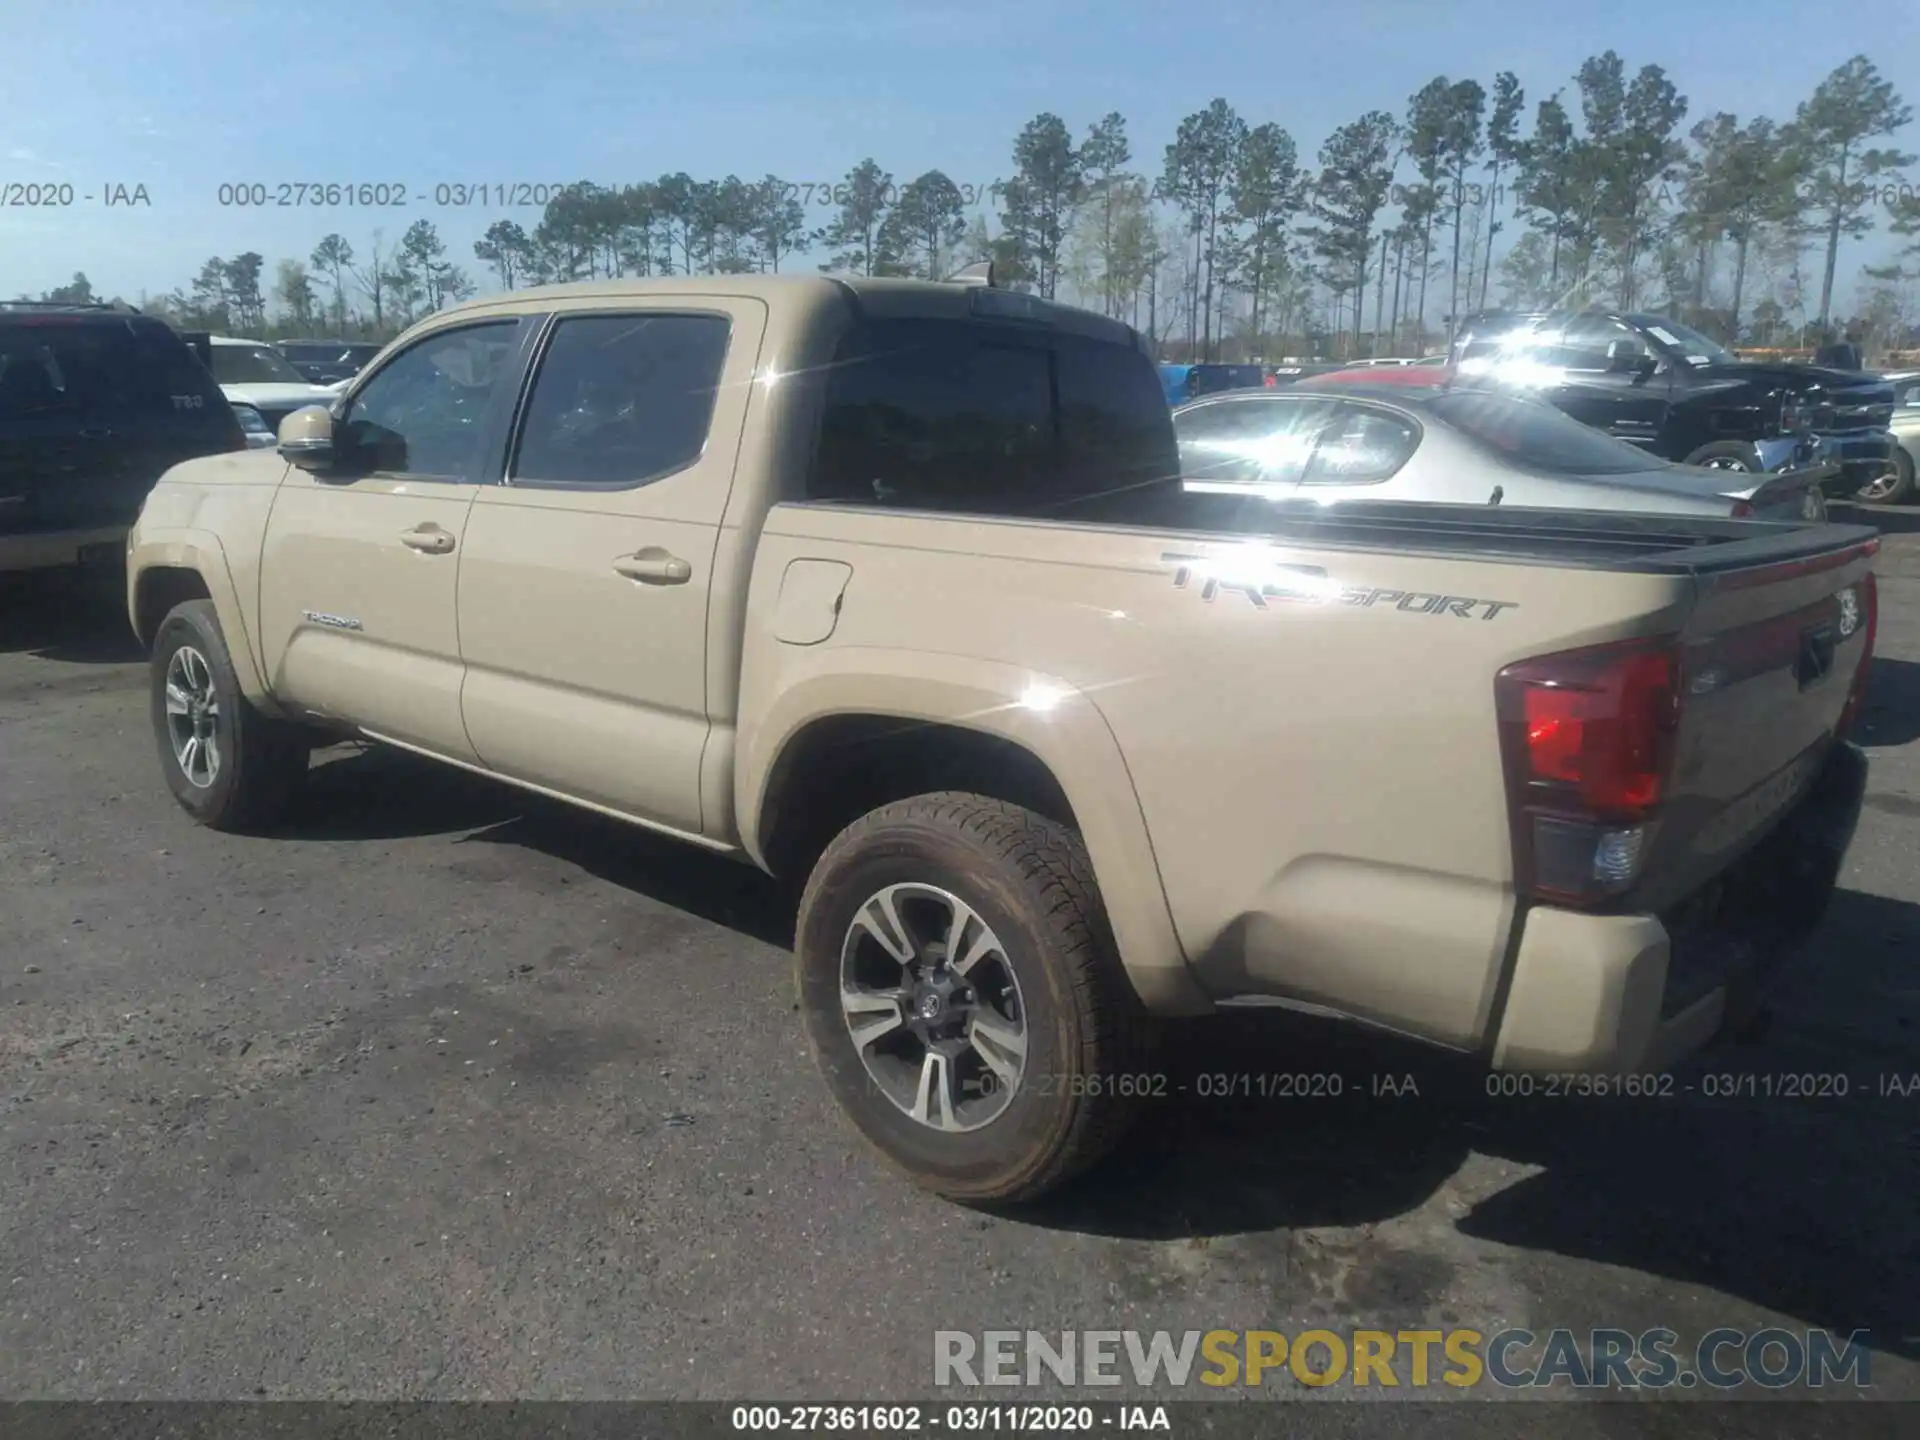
1587, 539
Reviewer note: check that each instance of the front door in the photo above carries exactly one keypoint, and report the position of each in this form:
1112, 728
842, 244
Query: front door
587, 587
1598, 385
357, 584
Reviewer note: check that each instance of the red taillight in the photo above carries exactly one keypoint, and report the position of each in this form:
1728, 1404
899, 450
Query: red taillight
1600, 725
1589, 739
1869, 593
1271, 382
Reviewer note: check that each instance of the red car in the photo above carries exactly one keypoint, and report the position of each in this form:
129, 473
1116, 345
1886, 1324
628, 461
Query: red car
1422, 372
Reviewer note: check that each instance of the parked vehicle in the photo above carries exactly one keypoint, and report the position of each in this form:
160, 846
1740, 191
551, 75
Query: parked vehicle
260, 435
1899, 487
1674, 392
1452, 444
1173, 383
323, 362
95, 403
1182, 383
254, 374
890, 587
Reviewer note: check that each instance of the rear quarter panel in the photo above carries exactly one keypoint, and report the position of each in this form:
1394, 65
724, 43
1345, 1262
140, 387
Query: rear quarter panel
1316, 783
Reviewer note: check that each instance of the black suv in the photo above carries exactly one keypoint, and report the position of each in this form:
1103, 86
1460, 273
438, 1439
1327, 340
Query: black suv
1672, 391
324, 361
96, 401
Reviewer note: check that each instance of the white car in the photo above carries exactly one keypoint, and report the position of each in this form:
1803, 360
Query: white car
262, 386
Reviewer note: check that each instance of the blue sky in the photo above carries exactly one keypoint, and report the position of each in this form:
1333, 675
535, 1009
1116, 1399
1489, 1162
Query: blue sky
182, 98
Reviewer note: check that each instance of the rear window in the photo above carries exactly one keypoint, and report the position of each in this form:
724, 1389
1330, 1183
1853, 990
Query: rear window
103, 369
1535, 436
979, 418
253, 365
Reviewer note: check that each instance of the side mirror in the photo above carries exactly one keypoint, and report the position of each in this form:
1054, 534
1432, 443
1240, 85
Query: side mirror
306, 438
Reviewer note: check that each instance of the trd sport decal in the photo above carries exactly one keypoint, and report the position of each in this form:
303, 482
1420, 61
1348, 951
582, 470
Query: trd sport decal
1262, 580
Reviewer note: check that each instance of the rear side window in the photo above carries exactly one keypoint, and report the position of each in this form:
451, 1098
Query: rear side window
1362, 446
1257, 441
621, 399
1535, 436
976, 418
104, 370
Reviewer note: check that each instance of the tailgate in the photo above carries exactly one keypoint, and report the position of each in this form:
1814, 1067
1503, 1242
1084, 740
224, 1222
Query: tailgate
1770, 656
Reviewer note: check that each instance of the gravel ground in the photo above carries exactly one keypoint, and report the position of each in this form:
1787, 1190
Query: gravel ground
454, 1093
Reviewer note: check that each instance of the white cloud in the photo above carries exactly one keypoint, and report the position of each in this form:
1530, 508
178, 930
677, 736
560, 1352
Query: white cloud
23, 155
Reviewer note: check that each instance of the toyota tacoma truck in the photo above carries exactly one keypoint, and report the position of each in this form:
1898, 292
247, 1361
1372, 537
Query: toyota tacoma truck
891, 588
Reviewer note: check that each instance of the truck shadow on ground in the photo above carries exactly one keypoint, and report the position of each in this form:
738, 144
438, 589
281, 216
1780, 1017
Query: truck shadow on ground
1801, 1205
375, 793
1890, 519
80, 618
1892, 713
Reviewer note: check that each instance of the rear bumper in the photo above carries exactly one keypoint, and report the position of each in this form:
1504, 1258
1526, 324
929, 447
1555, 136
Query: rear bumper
1634, 993
52, 549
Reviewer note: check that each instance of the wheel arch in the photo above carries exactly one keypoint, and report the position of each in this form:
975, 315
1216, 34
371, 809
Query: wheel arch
864, 727
165, 570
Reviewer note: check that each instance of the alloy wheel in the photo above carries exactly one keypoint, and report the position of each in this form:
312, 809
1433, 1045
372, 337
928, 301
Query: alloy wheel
193, 717
933, 1007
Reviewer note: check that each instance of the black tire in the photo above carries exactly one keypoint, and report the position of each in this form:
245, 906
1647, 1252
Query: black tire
1734, 455
1900, 491
1088, 1042
261, 762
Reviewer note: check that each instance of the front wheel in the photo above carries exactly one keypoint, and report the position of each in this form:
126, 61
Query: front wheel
229, 766
963, 996
1895, 487
1734, 455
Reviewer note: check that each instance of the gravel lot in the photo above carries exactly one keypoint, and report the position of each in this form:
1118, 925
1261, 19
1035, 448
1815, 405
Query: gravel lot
454, 1093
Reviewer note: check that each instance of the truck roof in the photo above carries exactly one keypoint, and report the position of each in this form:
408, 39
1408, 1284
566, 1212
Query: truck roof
875, 295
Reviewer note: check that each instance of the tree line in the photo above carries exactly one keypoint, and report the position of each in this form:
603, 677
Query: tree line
1228, 243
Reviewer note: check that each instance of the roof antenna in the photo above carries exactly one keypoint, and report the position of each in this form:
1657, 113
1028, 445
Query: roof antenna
980, 273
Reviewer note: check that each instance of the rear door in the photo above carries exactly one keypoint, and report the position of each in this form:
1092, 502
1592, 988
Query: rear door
587, 586
93, 409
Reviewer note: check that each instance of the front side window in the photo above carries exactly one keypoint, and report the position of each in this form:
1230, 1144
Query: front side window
1589, 338
426, 410
621, 399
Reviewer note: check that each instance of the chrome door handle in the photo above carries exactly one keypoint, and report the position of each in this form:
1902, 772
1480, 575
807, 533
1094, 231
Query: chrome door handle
429, 539
654, 566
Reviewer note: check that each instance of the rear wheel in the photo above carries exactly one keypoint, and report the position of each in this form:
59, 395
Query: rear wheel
1735, 455
964, 999
1895, 487
229, 766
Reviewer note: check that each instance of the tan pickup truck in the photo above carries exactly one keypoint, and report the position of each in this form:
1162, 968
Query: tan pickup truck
891, 587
